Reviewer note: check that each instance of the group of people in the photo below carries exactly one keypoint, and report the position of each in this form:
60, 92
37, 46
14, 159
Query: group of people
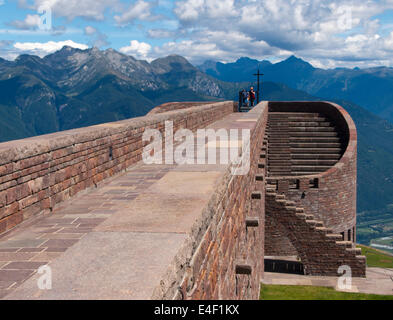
247, 98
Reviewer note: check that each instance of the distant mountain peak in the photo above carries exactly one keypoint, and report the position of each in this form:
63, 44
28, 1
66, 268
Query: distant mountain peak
167, 63
27, 57
68, 49
293, 59
296, 63
242, 59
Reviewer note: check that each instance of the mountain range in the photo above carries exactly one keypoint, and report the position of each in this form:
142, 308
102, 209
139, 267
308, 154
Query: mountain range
73, 88
372, 88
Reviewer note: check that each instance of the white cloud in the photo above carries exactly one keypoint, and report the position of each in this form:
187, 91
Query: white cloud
224, 46
388, 43
160, 33
70, 9
192, 10
141, 10
97, 38
326, 31
89, 30
30, 22
139, 50
42, 49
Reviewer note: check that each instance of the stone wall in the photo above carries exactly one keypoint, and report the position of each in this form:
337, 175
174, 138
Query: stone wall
322, 253
38, 173
224, 256
170, 106
329, 196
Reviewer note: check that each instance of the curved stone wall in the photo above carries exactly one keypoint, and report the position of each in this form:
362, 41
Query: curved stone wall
331, 195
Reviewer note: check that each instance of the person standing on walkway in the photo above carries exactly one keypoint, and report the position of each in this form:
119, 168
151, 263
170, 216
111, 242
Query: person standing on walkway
251, 96
244, 97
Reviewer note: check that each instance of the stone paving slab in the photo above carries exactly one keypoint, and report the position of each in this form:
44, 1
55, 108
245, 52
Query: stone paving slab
166, 214
107, 265
115, 241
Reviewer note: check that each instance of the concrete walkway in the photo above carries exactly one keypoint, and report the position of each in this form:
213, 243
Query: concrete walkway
377, 281
115, 241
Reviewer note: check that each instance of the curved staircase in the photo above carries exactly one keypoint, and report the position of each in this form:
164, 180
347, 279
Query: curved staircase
321, 251
301, 143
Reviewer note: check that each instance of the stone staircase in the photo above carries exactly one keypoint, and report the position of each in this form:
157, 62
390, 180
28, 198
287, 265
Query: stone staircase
321, 251
301, 143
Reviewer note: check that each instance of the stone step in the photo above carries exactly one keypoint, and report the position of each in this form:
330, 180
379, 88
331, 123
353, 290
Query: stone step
315, 145
355, 251
290, 114
275, 156
275, 131
279, 162
286, 154
279, 151
312, 222
327, 156
346, 244
311, 123
302, 173
314, 162
310, 168
280, 144
301, 215
281, 172
314, 134
334, 236
279, 139
314, 139
312, 129
321, 224
296, 118
270, 187
316, 150
279, 167
275, 148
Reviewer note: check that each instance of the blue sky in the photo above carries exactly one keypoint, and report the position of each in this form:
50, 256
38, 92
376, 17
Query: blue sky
327, 33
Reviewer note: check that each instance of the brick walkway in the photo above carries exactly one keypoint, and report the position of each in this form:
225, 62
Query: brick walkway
112, 242
27, 248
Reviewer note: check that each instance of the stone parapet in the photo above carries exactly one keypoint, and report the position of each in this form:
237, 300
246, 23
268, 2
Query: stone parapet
38, 173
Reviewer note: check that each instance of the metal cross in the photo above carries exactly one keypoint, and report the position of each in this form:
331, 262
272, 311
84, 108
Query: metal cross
258, 74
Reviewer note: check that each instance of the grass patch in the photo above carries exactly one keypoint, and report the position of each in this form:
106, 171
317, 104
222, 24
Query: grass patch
283, 292
376, 258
